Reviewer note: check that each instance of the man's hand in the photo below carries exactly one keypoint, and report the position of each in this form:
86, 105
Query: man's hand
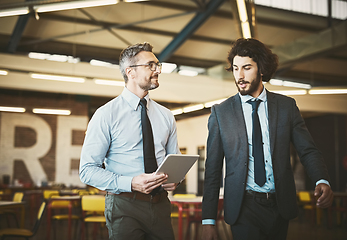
145, 183
169, 186
209, 232
324, 194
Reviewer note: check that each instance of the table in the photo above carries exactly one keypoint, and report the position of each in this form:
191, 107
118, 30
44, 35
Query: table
14, 205
181, 203
71, 200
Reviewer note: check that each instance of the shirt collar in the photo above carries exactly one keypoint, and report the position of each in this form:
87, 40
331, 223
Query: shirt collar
132, 99
262, 97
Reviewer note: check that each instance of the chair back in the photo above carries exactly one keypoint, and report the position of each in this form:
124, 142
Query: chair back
18, 197
304, 196
39, 216
93, 203
184, 195
47, 194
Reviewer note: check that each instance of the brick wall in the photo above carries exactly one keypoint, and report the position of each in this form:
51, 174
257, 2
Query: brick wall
25, 137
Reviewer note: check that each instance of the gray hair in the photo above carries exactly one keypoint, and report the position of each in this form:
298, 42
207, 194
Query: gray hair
128, 56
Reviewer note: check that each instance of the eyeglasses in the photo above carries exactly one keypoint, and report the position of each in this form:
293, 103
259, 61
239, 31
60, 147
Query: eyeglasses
152, 65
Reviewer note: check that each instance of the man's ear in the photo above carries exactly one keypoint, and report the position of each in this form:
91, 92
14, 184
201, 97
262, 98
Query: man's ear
129, 72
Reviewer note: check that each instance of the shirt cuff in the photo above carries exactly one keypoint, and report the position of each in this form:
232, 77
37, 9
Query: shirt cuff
208, 222
323, 181
124, 183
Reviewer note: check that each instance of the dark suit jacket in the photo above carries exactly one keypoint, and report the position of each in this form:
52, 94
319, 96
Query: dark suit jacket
228, 139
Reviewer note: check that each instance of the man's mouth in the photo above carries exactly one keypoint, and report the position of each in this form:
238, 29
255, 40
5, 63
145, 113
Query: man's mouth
155, 77
242, 84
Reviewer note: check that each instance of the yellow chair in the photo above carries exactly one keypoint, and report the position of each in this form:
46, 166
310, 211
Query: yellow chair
21, 232
17, 197
93, 191
93, 208
57, 206
307, 204
174, 212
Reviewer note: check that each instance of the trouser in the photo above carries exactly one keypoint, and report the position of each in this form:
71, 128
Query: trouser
131, 218
259, 219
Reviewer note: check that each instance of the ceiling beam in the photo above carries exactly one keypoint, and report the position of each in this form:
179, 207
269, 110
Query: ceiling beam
17, 33
108, 25
87, 52
312, 46
189, 29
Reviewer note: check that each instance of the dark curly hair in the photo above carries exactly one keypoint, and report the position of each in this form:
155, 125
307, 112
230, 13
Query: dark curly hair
266, 60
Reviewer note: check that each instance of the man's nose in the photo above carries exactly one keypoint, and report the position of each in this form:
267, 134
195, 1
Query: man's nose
239, 75
157, 69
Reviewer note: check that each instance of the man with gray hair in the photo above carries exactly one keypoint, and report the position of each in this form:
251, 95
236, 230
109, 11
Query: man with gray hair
136, 203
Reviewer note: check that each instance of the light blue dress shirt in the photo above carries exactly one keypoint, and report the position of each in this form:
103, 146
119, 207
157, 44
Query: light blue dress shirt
114, 137
269, 185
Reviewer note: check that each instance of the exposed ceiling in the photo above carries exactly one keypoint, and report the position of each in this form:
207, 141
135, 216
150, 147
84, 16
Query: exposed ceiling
312, 49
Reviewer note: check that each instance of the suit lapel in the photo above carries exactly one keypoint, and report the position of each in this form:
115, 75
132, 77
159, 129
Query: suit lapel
272, 111
238, 122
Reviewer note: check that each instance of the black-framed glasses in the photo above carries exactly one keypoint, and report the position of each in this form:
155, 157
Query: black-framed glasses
152, 65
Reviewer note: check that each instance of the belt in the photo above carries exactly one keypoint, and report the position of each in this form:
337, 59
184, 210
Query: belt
267, 195
140, 196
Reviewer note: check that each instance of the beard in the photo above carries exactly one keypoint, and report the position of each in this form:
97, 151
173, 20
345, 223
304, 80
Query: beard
252, 87
150, 85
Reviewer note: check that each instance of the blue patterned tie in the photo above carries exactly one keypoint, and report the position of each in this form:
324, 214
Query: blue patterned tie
257, 144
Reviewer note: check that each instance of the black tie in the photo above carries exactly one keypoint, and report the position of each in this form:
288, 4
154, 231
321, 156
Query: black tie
147, 138
148, 144
257, 143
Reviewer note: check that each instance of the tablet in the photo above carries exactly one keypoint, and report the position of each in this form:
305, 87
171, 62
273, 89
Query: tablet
176, 166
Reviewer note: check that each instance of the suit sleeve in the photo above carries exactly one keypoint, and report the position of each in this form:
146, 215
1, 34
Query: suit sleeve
213, 168
309, 155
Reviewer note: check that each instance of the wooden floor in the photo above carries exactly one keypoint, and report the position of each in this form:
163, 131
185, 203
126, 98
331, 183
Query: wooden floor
300, 228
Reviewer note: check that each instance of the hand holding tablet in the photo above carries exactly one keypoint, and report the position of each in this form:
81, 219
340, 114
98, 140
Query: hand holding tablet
176, 166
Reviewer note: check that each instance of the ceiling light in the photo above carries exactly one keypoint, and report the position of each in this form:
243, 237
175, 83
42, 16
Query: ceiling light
14, 11
177, 111
193, 108
95, 62
210, 104
109, 82
51, 111
41, 56
246, 30
58, 78
12, 109
296, 84
241, 5
53, 57
291, 92
278, 82
3, 72
72, 5
134, 0
168, 67
328, 91
189, 73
